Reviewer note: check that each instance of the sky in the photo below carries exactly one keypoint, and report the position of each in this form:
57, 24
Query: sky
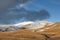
52, 6
15, 11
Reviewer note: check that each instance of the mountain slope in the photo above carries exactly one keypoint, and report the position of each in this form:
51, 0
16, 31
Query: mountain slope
20, 35
51, 31
47, 32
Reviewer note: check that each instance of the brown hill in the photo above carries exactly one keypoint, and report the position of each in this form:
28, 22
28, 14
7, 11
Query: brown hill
52, 28
46, 33
52, 31
20, 35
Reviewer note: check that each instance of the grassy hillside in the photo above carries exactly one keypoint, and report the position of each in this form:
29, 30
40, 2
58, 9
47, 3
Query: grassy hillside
51, 32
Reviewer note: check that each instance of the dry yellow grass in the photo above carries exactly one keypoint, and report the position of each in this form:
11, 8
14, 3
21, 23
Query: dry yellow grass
20, 35
51, 32
52, 28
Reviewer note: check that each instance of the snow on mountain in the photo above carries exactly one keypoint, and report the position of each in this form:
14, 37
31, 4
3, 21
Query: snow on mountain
34, 25
25, 25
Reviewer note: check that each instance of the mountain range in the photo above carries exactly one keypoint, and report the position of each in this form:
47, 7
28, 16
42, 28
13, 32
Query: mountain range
41, 30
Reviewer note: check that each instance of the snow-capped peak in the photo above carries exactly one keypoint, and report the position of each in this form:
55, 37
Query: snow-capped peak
24, 23
34, 25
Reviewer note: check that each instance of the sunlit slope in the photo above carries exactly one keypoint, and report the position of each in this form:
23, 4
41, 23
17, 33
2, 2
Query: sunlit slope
52, 32
20, 35
54, 28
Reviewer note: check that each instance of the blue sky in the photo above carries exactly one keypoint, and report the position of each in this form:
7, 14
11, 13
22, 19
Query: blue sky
27, 10
52, 6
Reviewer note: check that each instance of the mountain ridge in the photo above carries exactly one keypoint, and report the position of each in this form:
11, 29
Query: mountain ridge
48, 32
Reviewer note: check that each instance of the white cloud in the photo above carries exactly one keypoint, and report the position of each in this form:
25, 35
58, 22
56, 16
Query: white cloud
22, 5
